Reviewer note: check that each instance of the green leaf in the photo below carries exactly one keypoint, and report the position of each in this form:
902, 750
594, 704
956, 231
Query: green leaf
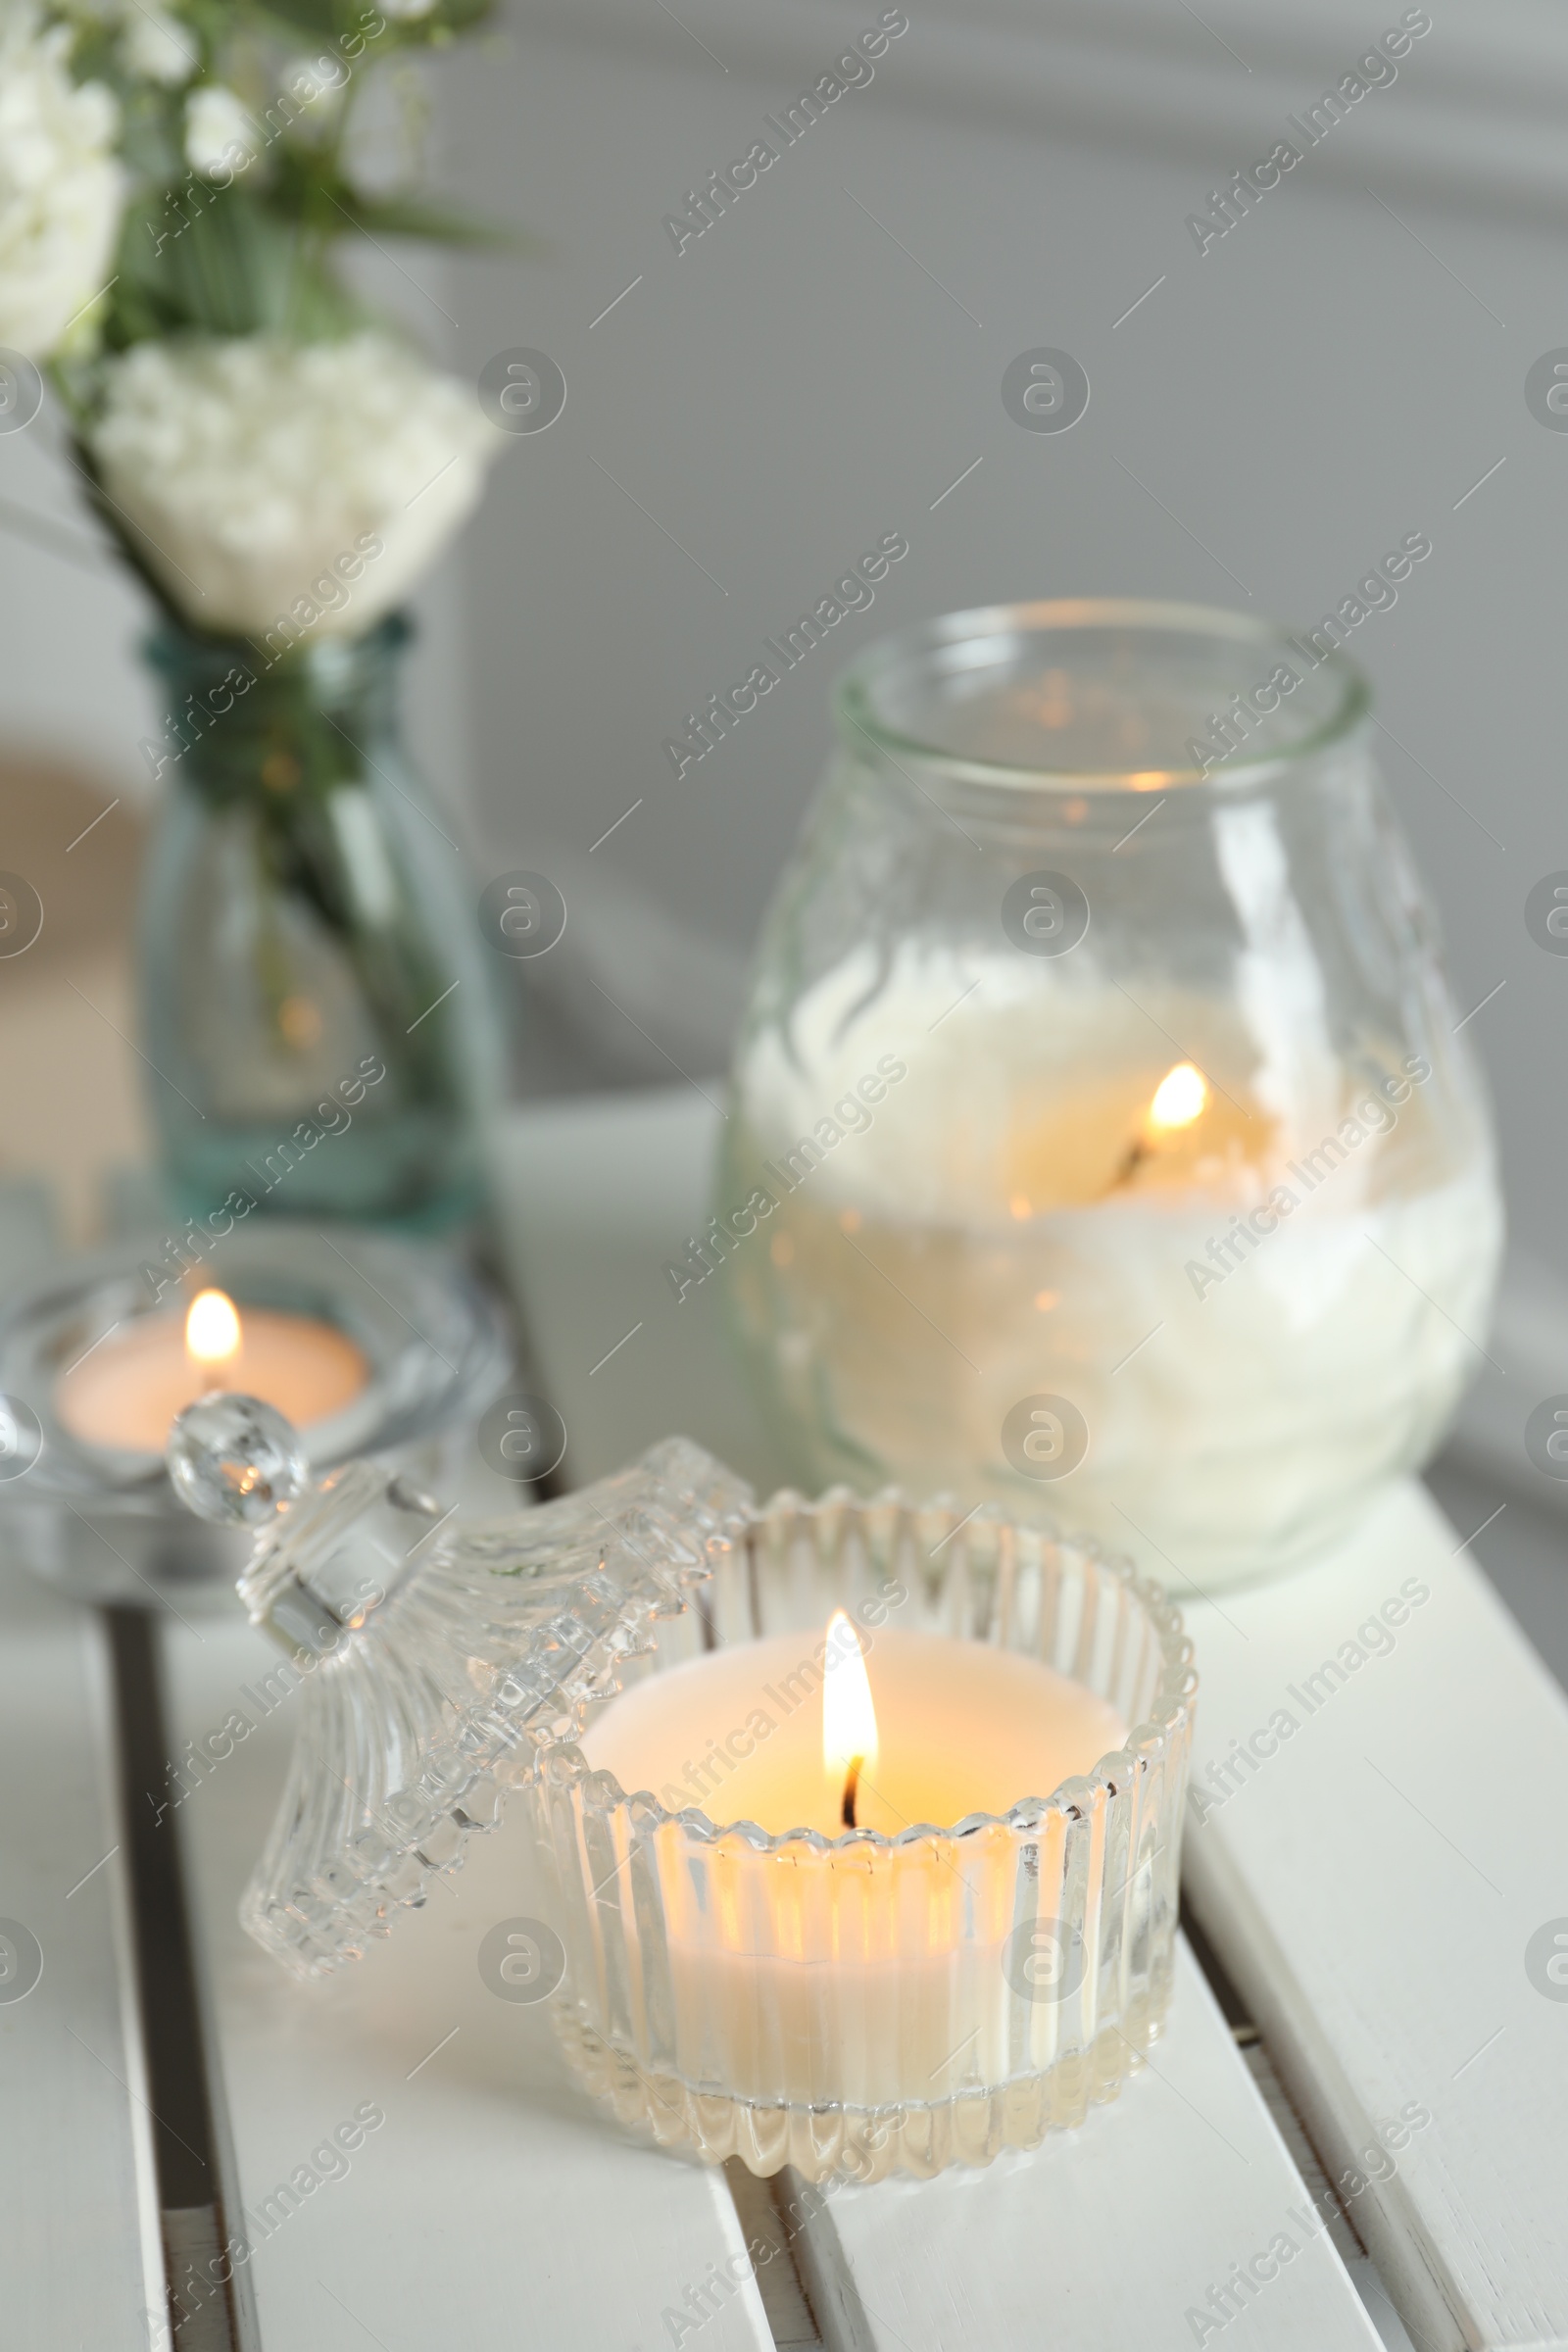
308, 185
322, 18
219, 261
331, 20
412, 216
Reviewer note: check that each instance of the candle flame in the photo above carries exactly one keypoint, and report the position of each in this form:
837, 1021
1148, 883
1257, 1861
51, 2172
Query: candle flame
212, 1329
849, 1719
1179, 1099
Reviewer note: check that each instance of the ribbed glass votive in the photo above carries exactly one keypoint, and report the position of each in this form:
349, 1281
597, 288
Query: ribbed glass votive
867, 2003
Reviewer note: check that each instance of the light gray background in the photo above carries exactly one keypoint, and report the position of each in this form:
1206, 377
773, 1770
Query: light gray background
1325, 379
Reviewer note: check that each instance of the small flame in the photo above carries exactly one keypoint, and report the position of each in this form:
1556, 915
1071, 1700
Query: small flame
849, 1719
212, 1329
1180, 1097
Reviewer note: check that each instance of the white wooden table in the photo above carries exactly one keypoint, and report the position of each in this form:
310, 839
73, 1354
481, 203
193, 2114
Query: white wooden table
1369, 1887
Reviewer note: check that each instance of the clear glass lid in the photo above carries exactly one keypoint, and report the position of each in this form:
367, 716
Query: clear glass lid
438, 1657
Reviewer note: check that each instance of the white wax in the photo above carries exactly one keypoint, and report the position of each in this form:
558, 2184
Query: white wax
128, 1391
963, 1245
878, 1977
962, 1727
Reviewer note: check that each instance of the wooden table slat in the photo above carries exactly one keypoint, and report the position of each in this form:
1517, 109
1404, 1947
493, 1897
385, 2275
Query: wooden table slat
490, 2208
1118, 2234
80, 2261
1373, 1885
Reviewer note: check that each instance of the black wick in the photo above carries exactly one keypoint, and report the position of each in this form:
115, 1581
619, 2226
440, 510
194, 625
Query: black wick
850, 1785
1132, 1161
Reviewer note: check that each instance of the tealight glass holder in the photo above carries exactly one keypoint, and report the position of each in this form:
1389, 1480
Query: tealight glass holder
868, 2003
101, 1521
851, 2005
1103, 1137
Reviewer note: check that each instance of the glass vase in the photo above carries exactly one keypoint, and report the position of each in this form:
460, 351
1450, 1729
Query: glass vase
1101, 1129
316, 1023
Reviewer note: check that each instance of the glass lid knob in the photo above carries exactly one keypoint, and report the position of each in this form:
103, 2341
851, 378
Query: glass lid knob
236, 1460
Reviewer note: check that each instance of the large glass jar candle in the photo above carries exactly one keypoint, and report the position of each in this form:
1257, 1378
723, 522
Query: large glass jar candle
1102, 1130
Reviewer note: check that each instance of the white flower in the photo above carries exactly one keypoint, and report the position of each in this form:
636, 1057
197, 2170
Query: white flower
158, 45
61, 189
317, 83
407, 9
271, 483
220, 138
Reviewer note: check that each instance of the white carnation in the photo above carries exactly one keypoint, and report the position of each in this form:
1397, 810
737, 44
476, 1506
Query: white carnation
61, 189
220, 138
250, 467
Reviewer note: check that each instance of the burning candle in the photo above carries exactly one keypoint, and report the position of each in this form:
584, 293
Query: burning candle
850, 1744
913, 1730
213, 1338
126, 1389
954, 1728
1180, 1097
1250, 1279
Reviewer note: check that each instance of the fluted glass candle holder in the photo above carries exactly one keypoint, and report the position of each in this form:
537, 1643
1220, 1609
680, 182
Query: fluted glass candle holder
871, 2002
849, 2004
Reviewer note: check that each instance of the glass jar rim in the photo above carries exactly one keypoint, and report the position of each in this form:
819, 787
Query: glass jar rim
860, 723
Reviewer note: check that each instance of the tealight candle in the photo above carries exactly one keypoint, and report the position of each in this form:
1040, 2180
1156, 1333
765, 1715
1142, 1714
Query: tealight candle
127, 1389
932, 1730
935, 1729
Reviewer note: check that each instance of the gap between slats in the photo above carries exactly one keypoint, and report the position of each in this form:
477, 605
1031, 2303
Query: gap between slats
205, 2315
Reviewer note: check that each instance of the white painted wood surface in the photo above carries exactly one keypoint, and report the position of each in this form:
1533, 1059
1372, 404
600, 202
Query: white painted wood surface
1112, 2236
80, 2260
1370, 1948
493, 2207
1374, 1885
594, 1196
491, 2210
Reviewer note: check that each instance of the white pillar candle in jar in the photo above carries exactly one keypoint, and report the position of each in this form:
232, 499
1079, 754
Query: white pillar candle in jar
1256, 1288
